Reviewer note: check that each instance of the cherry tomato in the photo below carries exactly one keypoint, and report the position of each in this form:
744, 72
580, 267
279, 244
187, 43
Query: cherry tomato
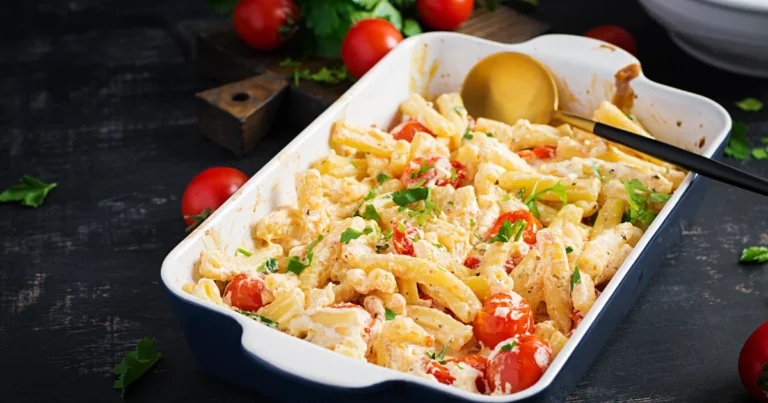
245, 292
477, 362
521, 367
402, 237
433, 170
615, 36
210, 189
440, 372
753, 363
406, 130
503, 316
445, 15
531, 228
541, 153
367, 42
472, 262
265, 24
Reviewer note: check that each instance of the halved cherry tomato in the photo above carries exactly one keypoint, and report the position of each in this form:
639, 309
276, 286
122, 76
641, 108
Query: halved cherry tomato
503, 316
440, 372
615, 36
246, 292
406, 130
472, 262
541, 153
521, 367
531, 228
753, 363
433, 170
477, 362
402, 237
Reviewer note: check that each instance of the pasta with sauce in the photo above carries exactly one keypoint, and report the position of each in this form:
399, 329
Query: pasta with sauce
449, 248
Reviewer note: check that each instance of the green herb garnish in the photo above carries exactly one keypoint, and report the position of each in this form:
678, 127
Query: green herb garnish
382, 178
557, 189
370, 213
754, 254
575, 277
29, 192
268, 266
509, 231
244, 252
389, 314
508, 346
135, 364
750, 104
259, 318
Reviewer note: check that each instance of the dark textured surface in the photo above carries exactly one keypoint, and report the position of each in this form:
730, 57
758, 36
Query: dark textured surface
105, 108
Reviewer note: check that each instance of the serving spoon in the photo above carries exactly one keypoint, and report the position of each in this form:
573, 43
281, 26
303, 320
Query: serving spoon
510, 86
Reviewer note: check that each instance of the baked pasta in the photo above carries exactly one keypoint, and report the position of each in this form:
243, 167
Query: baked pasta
456, 249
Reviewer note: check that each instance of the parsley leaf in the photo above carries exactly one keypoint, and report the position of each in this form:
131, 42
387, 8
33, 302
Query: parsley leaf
459, 110
259, 318
575, 277
30, 192
509, 231
439, 357
244, 252
323, 76
412, 195
411, 27
382, 178
350, 234
269, 265
472, 222
754, 254
638, 197
296, 266
422, 170
596, 170
467, 134
489, 134
370, 213
198, 219
569, 250
750, 104
530, 201
760, 153
508, 346
136, 363
288, 62
389, 314
738, 146
764, 140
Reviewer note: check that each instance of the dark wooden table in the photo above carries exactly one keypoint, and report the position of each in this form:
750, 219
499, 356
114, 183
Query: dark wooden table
102, 103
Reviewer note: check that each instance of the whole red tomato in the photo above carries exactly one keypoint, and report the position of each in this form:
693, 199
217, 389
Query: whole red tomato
265, 24
366, 43
614, 35
444, 15
753, 363
518, 366
209, 190
245, 292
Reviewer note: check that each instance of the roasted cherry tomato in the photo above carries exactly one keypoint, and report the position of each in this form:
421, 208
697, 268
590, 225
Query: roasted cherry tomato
472, 262
367, 42
440, 372
406, 130
245, 292
445, 15
433, 170
503, 316
265, 24
541, 153
402, 237
753, 363
615, 36
531, 228
477, 362
520, 367
209, 190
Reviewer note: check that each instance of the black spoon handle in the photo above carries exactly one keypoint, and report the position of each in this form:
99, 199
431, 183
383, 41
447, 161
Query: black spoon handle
674, 155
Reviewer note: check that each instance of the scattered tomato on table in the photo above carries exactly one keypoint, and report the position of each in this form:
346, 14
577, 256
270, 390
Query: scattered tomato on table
753, 363
366, 43
208, 191
445, 15
266, 24
614, 35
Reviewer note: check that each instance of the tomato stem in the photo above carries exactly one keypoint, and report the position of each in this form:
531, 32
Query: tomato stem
198, 219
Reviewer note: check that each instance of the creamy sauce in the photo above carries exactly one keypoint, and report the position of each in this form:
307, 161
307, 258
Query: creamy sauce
624, 97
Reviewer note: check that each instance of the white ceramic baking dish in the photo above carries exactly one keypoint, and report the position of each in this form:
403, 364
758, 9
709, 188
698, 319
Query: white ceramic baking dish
243, 351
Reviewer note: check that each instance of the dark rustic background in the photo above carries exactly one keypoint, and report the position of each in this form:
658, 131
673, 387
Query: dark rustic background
96, 96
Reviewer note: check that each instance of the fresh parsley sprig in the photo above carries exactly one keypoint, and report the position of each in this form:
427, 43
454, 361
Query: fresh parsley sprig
136, 363
530, 201
638, 197
754, 254
509, 231
29, 192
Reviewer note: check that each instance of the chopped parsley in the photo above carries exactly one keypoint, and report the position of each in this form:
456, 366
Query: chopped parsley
467, 134
750, 105
638, 196
389, 314
557, 189
508, 346
370, 195
509, 231
412, 195
370, 213
382, 178
489, 134
31, 192
135, 364
738, 146
244, 252
351, 233
325, 75
506, 197
754, 254
259, 318
472, 222
569, 250
460, 111
288, 62
760, 153
422, 170
596, 170
296, 265
439, 357
575, 277
269, 265
354, 165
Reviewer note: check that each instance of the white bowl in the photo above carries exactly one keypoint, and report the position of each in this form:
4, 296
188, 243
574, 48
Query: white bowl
728, 34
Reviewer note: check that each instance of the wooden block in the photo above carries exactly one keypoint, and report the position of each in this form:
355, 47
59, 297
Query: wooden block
239, 125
